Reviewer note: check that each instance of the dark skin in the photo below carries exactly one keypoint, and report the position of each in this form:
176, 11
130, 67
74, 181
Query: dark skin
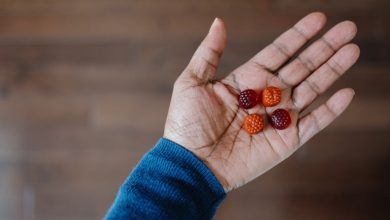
204, 115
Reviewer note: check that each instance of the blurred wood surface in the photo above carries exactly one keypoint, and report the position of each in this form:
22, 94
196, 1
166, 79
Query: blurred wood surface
85, 87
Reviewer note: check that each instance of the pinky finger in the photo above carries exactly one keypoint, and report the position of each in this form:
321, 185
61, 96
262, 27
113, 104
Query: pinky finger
312, 123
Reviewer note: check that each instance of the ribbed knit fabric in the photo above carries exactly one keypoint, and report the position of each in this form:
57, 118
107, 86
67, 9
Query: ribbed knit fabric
169, 182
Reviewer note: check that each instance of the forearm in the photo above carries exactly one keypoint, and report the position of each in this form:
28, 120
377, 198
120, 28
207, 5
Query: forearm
168, 183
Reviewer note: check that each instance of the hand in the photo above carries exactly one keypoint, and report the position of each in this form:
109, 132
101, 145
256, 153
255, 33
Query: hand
204, 115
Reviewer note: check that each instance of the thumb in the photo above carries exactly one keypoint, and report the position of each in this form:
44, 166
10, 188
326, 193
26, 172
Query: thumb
206, 58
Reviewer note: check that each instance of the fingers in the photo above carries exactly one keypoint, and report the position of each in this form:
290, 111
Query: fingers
278, 52
317, 53
318, 119
318, 82
206, 58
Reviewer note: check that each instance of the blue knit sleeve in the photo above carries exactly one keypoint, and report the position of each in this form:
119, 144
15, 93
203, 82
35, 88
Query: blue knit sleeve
169, 182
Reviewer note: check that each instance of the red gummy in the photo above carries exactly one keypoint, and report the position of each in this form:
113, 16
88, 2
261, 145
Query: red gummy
247, 98
280, 119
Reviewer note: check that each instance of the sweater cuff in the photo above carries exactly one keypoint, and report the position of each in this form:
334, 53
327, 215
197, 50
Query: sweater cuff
170, 182
187, 160
182, 164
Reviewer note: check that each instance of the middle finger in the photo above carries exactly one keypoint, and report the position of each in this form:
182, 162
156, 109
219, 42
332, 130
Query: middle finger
317, 53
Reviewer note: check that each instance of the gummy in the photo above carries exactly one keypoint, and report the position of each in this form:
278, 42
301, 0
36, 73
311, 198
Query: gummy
253, 123
271, 96
247, 99
280, 119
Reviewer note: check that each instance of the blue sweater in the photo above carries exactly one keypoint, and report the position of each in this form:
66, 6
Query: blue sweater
169, 182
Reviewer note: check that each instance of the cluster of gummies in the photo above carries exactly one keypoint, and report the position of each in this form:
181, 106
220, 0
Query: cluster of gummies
269, 97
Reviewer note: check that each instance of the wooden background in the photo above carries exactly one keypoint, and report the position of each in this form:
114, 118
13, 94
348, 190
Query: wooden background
85, 86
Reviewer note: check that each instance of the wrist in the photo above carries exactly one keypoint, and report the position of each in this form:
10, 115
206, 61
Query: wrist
209, 164
223, 179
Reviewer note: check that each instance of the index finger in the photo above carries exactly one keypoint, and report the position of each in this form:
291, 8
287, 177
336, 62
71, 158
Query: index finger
288, 43
279, 51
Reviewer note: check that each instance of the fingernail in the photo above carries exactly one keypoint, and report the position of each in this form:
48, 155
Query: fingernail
353, 91
214, 22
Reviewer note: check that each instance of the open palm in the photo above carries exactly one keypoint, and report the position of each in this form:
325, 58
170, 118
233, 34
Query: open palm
205, 117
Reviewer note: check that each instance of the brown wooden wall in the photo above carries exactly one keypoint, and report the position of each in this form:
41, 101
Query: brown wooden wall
85, 86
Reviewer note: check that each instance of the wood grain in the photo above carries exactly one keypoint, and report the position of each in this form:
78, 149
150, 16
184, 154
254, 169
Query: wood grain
85, 88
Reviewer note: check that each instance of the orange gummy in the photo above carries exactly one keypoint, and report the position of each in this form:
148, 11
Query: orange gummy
253, 123
271, 96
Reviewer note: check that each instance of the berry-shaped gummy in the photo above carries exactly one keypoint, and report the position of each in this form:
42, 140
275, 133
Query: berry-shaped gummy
253, 123
280, 119
271, 96
247, 99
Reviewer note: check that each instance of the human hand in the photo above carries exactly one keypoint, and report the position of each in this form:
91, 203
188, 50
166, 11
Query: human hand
204, 115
